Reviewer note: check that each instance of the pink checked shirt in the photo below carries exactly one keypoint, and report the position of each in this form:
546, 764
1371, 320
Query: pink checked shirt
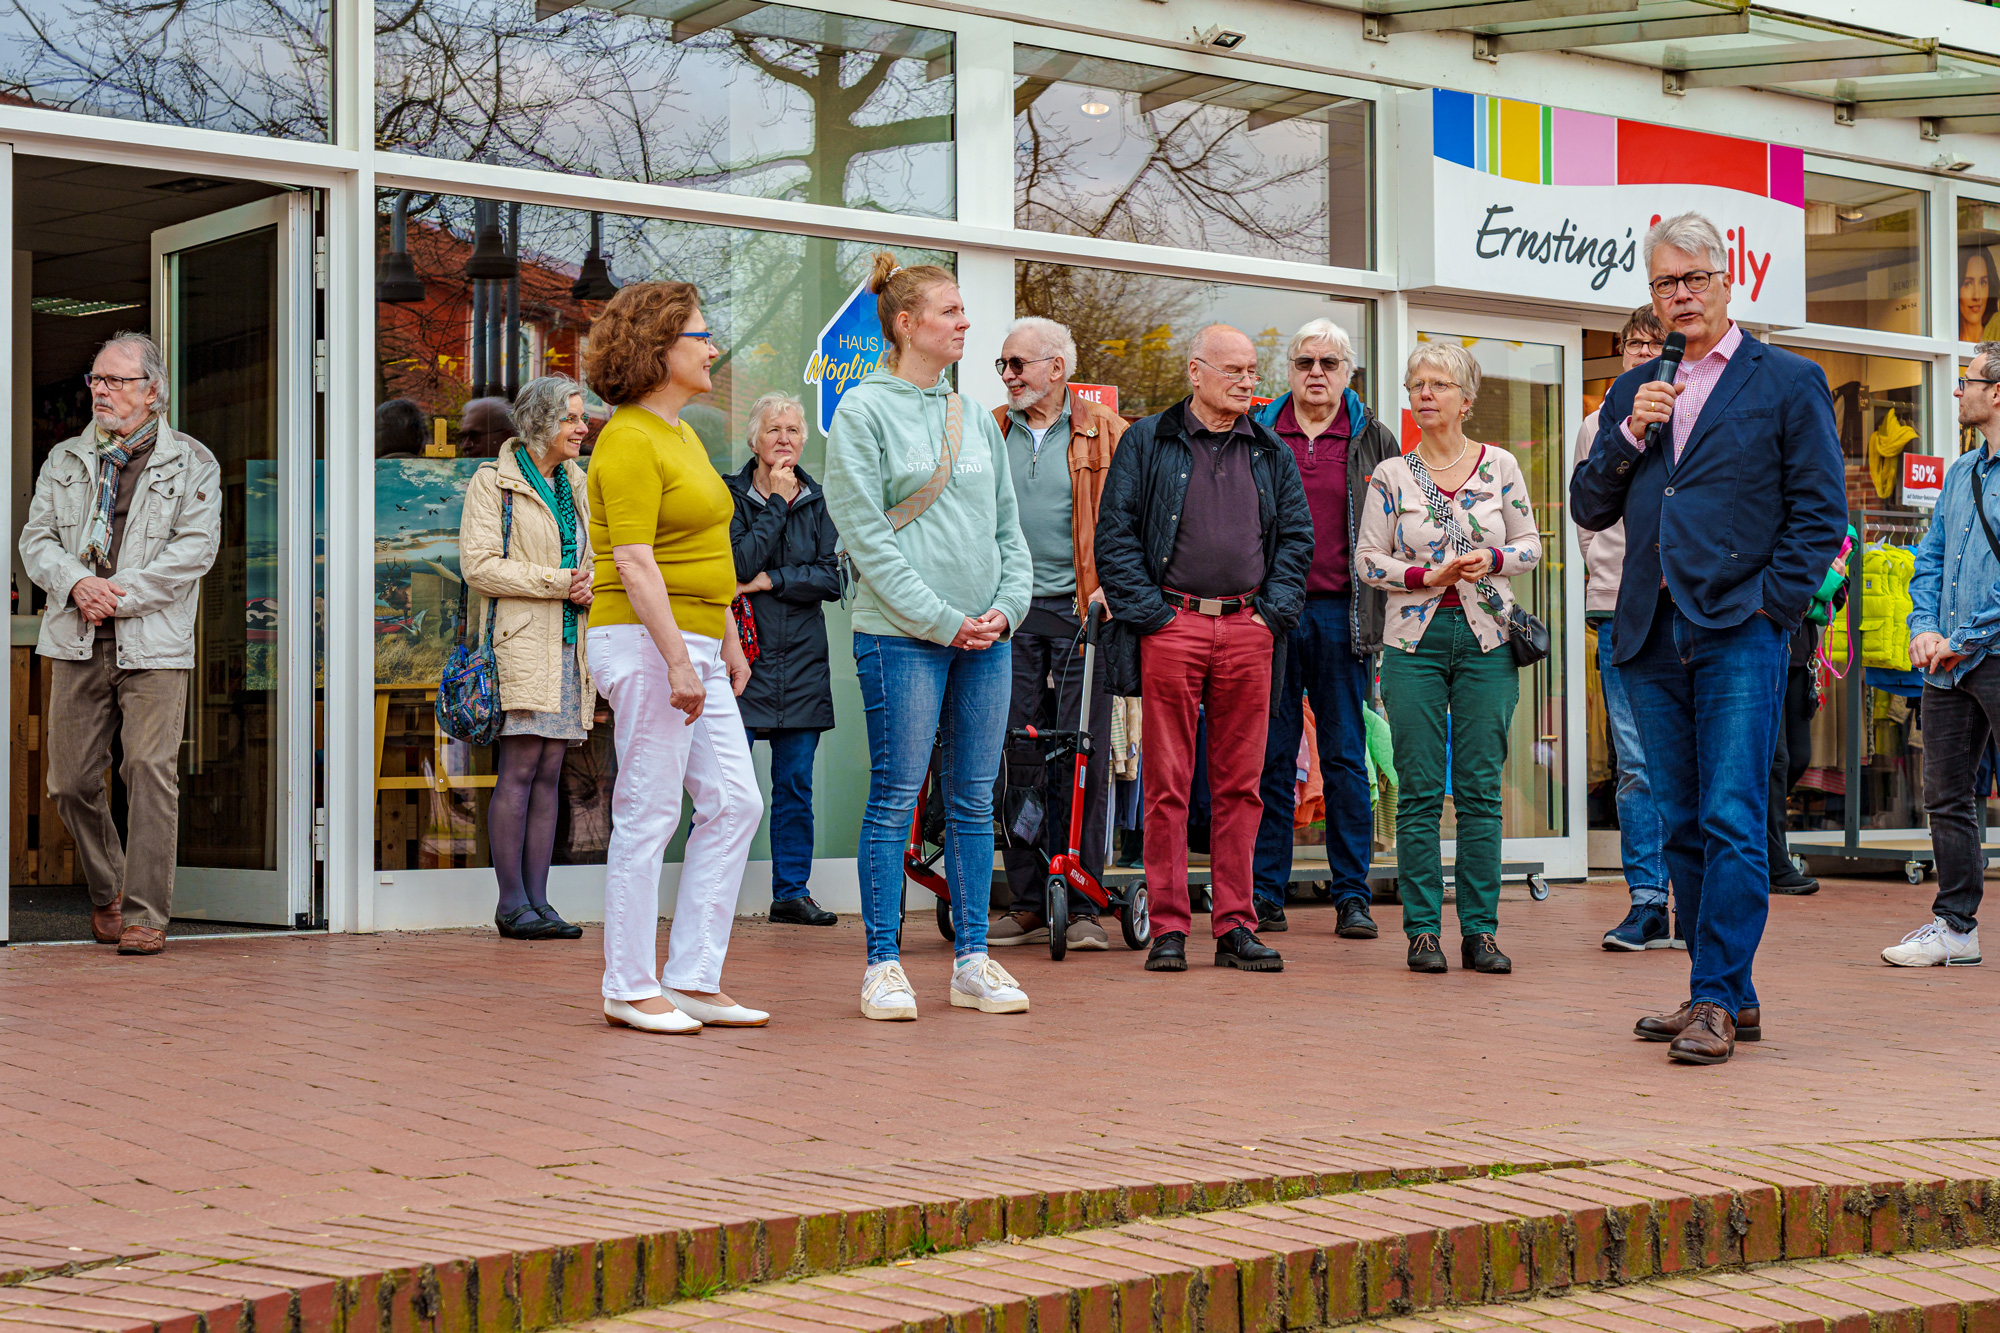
1700, 378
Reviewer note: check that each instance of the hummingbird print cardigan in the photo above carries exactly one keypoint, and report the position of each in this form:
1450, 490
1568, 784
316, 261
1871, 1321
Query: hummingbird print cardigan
1401, 538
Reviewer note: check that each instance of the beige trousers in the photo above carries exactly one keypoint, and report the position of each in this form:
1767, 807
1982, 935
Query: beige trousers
86, 701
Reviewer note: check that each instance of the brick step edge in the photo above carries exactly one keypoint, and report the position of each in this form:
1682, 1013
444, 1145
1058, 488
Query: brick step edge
1388, 1253
524, 1265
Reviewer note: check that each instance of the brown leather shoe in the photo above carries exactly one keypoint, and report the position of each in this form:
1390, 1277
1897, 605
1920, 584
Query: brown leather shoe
1708, 1039
108, 923
142, 939
1749, 1024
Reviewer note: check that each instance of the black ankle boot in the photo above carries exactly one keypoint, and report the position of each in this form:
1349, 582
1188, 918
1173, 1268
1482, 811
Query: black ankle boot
1426, 955
802, 912
1481, 953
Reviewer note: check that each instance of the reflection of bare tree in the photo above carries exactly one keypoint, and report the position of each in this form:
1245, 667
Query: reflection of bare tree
1131, 329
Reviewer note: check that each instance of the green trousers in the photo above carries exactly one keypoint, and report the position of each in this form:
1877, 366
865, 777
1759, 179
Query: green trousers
1449, 676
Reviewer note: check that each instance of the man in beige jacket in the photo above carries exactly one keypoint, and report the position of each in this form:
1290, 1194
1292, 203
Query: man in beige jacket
1641, 833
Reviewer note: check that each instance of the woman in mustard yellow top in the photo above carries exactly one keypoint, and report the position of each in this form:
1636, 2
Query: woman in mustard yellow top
663, 649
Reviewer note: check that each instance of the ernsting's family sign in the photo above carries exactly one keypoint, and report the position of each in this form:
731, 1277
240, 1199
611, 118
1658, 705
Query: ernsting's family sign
1534, 201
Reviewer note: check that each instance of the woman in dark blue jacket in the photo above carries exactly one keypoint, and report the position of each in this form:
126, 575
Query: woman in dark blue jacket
784, 544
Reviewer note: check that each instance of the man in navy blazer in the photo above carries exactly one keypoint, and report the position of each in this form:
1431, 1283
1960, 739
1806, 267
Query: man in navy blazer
1733, 512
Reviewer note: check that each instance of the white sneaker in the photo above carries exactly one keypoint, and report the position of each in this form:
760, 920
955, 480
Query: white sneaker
979, 983
1935, 945
886, 993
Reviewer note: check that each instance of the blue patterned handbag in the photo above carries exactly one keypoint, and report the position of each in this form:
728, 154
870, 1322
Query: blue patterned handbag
468, 698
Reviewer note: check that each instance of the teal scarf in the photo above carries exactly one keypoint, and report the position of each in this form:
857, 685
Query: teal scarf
563, 505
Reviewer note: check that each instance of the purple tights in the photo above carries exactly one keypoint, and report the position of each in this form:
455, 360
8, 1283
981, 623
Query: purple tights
521, 820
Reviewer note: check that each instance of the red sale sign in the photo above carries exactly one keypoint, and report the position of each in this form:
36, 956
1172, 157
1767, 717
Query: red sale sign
1923, 480
1104, 395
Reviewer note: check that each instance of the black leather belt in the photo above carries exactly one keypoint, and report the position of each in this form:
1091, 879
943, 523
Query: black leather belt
1209, 606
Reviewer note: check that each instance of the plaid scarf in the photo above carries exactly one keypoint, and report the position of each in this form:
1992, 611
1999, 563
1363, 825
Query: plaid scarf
562, 504
112, 455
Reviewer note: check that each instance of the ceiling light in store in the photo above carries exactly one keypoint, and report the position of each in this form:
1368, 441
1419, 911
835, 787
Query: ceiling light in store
70, 305
1093, 105
189, 184
1852, 214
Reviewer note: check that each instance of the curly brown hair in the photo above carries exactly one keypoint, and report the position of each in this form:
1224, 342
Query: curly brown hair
629, 342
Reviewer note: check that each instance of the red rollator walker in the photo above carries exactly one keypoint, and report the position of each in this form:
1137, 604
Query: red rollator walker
1065, 869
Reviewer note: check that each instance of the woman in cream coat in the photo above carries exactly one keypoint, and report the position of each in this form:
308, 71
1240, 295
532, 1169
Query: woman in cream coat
541, 589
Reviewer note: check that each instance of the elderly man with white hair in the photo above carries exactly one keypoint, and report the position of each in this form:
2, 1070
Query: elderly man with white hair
1730, 481
1059, 520
125, 520
1336, 444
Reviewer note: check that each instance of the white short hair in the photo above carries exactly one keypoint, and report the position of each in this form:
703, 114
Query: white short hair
151, 364
1051, 337
1453, 360
1691, 234
1321, 331
765, 408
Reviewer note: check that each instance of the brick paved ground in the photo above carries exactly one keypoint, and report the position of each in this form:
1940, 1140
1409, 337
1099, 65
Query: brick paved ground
283, 1081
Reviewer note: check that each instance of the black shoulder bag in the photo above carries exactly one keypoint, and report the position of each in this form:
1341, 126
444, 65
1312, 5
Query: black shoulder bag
1527, 636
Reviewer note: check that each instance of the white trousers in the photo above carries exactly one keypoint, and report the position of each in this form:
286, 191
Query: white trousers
659, 753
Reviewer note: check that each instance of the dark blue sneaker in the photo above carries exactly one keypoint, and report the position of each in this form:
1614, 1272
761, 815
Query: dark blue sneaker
1642, 928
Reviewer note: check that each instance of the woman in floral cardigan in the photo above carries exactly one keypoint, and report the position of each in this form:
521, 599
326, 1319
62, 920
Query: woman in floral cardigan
1445, 652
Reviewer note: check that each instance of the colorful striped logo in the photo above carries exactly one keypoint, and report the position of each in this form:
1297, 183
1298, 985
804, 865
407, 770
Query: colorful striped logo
1545, 145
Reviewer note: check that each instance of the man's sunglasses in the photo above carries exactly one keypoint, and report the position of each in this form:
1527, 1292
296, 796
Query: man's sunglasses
1304, 364
1016, 365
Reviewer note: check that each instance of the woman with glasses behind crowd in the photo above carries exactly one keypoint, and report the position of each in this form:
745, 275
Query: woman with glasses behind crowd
1443, 532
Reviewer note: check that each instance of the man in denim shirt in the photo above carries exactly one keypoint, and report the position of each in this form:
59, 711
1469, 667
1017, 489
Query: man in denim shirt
1956, 591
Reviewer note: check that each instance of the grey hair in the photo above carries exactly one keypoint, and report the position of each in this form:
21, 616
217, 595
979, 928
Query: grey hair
1453, 360
151, 364
539, 410
1989, 350
767, 406
1322, 331
1055, 340
1691, 234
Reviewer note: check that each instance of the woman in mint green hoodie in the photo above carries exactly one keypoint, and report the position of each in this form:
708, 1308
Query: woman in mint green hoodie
916, 481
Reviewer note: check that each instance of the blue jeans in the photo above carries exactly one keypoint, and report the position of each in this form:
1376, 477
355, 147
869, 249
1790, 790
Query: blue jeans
792, 751
915, 694
1321, 665
1641, 836
1707, 701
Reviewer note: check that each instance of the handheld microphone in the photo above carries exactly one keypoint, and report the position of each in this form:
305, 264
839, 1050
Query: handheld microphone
1670, 361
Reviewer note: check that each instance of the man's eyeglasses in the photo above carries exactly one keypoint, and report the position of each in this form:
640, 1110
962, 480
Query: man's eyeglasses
1696, 282
1231, 373
1643, 346
1433, 388
96, 381
1016, 365
1304, 364
1964, 380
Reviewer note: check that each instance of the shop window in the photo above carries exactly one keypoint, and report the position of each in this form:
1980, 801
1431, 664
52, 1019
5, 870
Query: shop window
244, 66
1138, 153
1132, 329
755, 99
449, 356
1864, 255
1978, 271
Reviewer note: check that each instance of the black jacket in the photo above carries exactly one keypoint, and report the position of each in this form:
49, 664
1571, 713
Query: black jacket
795, 543
1140, 518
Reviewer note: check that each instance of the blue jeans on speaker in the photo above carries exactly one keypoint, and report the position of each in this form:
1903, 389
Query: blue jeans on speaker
1707, 702
917, 693
1642, 838
792, 750
1323, 667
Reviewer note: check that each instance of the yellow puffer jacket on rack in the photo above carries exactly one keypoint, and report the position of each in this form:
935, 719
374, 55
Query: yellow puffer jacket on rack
1885, 611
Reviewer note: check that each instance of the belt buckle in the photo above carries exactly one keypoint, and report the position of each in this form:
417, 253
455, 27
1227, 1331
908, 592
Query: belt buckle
1209, 606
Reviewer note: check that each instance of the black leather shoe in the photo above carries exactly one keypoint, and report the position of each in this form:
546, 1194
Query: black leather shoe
523, 923
1240, 949
559, 929
802, 912
1481, 953
1792, 884
1271, 917
1355, 923
1168, 954
1426, 954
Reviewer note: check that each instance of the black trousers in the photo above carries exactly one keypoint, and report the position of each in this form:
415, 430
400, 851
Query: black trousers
1791, 759
1957, 723
1037, 657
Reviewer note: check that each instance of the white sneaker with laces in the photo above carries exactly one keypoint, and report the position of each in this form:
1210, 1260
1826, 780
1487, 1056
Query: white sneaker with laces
886, 993
977, 982
1935, 945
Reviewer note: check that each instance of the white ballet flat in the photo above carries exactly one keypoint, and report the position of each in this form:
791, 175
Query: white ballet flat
718, 1016
620, 1014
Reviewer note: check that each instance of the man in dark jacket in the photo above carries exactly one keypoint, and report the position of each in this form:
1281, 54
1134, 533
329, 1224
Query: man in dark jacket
785, 545
1336, 445
1204, 538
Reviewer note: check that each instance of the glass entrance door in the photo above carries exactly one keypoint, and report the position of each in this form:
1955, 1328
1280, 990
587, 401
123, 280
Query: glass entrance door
232, 311
1530, 403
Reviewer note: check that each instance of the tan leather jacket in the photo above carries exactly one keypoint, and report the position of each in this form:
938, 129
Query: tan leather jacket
528, 587
1094, 431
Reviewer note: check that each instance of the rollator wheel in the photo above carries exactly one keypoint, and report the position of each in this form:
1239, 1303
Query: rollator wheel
1057, 912
944, 920
1913, 871
1135, 919
1538, 888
